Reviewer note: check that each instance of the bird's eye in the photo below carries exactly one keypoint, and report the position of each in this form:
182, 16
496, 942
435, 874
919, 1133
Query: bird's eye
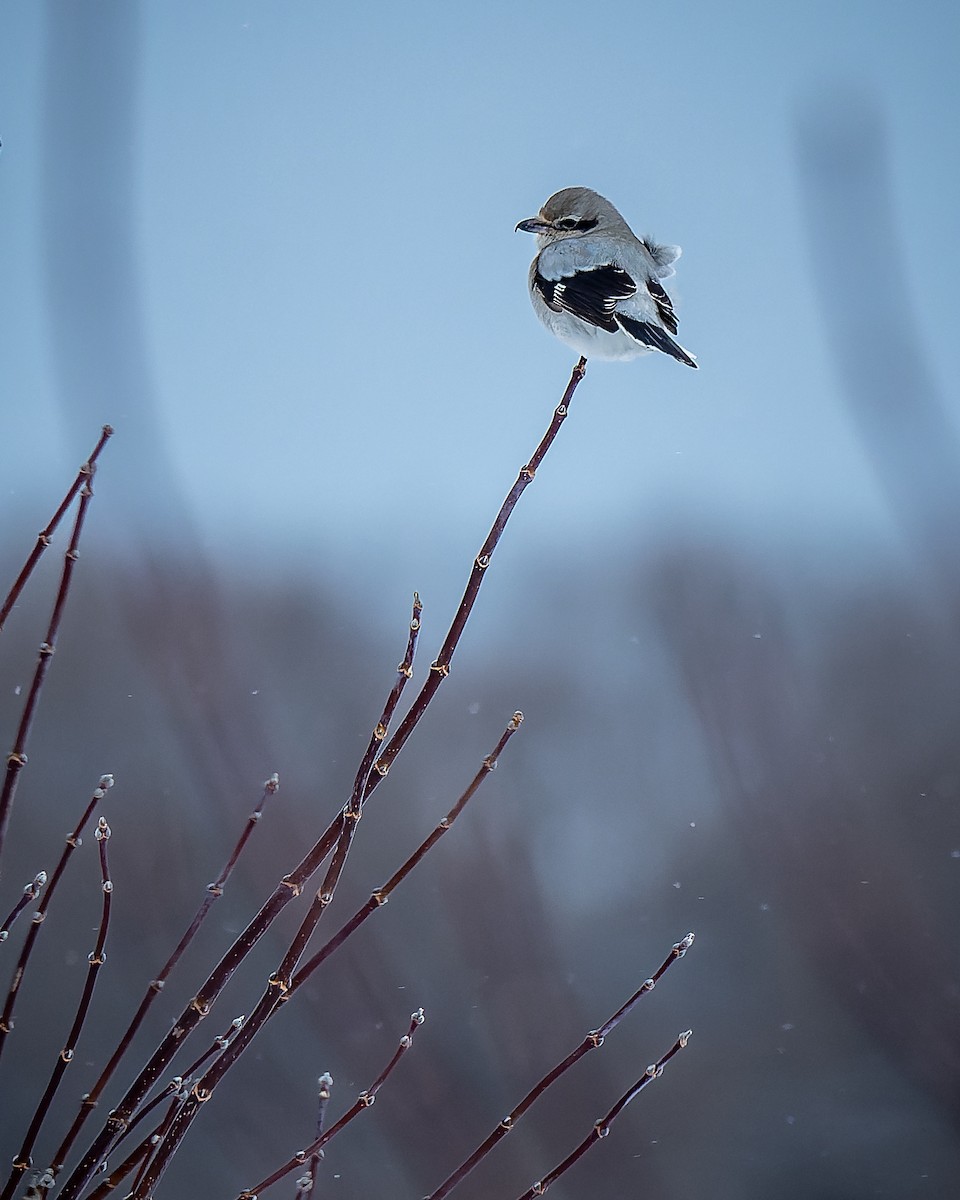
582, 224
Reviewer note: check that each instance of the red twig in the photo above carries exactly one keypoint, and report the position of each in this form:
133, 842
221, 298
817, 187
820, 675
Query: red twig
43, 538
181, 1083
74, 841
176, 1092
364, 1100
96, 959
440, 669
278, 982
381, 895
592, 1041
214, 892
281, 984
602, 1127
17, 758
308, 1181
30, 893
291, 885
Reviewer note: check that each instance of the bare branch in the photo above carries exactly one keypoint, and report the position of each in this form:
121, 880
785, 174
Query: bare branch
22, 1161
279, 985
214, 892
593, 1041
17, 758
278, 982
74, 841
308, 1181
292, 884
602, 1127
43, 538
381, 895
364, 1100
30, 893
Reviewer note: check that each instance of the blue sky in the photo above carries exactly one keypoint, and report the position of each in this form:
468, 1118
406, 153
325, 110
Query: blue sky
316, 320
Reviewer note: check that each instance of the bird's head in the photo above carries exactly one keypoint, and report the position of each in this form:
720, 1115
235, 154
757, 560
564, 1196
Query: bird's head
572, 212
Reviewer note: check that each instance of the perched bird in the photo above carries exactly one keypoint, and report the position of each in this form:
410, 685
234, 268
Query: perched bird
596, 285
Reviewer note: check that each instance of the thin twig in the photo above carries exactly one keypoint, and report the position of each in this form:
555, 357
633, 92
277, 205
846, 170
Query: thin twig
279, 982
95, 959
602, 1127
593, 1040
17, 758
74, 841
180, 1083
176, 1092
214, 892
404, 674
43, 538
30, 893
133, 1160
160, 1133
440, 669
292, 884
308, 1181
381, 895
140, 1155
363, 1101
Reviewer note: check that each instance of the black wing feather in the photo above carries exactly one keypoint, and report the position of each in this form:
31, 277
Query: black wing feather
664, 304
653, 336
591, 295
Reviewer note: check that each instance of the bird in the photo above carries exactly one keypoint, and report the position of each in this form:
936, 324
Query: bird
596, 285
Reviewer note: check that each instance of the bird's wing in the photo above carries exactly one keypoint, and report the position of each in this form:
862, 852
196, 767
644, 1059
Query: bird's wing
649, 334
664, 305
591, 294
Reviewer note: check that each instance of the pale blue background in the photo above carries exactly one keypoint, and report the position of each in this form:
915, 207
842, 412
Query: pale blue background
303, 221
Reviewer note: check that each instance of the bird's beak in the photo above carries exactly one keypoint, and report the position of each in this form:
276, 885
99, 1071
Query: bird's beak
533, 225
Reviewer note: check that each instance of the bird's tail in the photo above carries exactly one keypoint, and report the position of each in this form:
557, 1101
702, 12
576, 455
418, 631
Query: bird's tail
656, 338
